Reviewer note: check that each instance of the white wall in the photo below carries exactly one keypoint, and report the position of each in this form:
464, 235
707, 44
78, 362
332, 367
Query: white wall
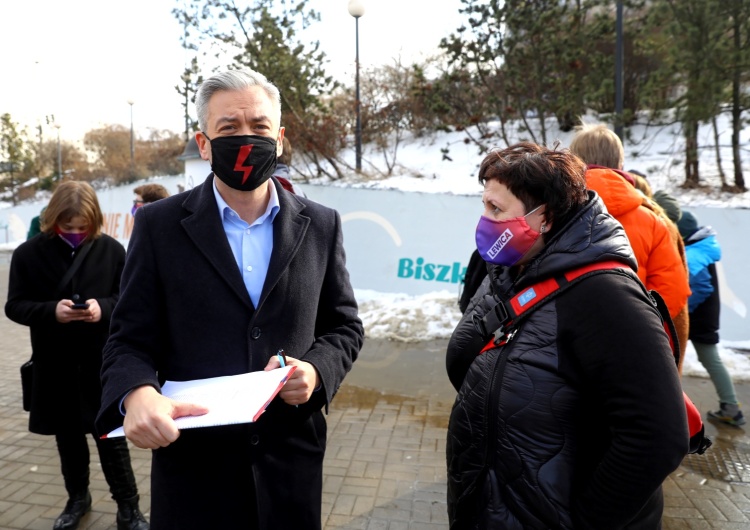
415, 243
114, 202
420, 242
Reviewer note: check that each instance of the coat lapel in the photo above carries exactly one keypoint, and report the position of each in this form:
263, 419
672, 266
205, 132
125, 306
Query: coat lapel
204, 228
289, 229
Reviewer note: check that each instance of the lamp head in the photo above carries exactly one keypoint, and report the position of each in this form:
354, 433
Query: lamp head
356, 8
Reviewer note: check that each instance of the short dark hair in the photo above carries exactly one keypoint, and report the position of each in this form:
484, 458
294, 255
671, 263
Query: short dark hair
538, 175
151, 192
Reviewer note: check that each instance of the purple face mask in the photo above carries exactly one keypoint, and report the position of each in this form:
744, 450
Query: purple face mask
505, 242
74, 240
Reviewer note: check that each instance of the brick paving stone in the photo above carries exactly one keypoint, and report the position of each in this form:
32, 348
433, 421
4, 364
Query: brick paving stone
343, 504
377, 524
390, 513
731, 511
363, 503
385, 461
343, 522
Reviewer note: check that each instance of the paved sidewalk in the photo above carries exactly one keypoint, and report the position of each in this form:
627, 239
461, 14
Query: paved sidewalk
385, 465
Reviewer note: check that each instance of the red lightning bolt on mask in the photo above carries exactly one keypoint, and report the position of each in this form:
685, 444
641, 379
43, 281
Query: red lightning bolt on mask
242, 156
243, 162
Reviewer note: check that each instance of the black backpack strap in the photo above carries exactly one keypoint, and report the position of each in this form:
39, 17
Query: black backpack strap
505, 316
699, 442
666, 320
74, 267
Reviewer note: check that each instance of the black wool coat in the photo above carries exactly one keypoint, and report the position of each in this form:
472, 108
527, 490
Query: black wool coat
185, 314
67, 357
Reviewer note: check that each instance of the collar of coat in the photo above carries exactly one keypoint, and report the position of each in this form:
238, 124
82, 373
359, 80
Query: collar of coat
202, 223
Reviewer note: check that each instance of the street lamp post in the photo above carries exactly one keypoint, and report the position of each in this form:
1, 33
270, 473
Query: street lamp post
357, 9
619, 60
59, 153
132, 143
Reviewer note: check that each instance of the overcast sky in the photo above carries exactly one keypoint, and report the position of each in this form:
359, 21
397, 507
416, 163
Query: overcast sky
82, 60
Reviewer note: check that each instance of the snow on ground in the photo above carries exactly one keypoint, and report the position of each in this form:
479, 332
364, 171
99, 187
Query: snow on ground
405, 318
734, 355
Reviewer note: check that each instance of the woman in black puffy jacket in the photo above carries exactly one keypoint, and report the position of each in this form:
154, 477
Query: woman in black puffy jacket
575, 416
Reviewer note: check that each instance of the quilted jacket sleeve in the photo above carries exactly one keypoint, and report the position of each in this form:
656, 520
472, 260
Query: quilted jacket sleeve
622, 355
466, 342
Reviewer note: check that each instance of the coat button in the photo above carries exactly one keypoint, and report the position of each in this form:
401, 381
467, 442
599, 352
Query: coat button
255, 333
254, 439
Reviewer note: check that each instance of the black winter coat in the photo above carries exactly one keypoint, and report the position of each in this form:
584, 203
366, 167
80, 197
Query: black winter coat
185, 313
476, 272
576, 421
67, 357
704, 320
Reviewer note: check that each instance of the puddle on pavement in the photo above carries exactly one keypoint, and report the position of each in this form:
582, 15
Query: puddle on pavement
728, 459
435, 414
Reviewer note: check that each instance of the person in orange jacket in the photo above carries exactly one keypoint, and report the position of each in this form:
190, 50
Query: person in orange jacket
660, 266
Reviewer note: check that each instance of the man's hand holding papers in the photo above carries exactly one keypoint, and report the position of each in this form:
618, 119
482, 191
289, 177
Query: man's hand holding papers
153, 420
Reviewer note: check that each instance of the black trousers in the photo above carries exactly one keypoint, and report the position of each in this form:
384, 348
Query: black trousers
114, 456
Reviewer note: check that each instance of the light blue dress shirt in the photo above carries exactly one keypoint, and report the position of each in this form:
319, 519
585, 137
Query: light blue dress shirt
251, 244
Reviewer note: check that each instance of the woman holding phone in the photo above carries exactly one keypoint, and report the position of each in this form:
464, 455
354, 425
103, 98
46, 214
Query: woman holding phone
63, 284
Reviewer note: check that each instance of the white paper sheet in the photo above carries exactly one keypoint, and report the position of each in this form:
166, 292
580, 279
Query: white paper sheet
230, 399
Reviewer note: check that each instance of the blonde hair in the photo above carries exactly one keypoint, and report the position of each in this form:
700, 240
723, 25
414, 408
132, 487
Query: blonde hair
642, 185
71, 199
598, 145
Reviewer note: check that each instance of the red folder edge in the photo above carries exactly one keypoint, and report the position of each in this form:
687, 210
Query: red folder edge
278, 388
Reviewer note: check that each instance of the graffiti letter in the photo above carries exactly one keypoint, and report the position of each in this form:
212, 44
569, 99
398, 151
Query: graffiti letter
429, 271
405, 268
458, 273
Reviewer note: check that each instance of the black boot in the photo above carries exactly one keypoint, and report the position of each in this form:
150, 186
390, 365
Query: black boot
76, 507
129, 517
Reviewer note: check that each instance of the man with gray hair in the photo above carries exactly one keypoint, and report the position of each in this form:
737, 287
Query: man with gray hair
217, 280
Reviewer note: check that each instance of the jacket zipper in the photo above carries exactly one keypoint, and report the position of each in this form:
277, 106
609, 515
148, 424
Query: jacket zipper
493, 398
493, 394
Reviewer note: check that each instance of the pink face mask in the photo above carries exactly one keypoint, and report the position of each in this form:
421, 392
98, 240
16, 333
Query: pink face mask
505, 242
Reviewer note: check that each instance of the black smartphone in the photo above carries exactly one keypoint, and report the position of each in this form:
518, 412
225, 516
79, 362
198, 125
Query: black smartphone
77, 304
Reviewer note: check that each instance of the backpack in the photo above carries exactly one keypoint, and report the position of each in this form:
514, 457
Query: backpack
503, 320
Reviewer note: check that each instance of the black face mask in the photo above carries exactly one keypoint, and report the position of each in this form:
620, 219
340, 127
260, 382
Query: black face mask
243, 162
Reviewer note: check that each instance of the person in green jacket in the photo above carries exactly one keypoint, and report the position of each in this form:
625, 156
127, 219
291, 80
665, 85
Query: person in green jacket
35, 227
